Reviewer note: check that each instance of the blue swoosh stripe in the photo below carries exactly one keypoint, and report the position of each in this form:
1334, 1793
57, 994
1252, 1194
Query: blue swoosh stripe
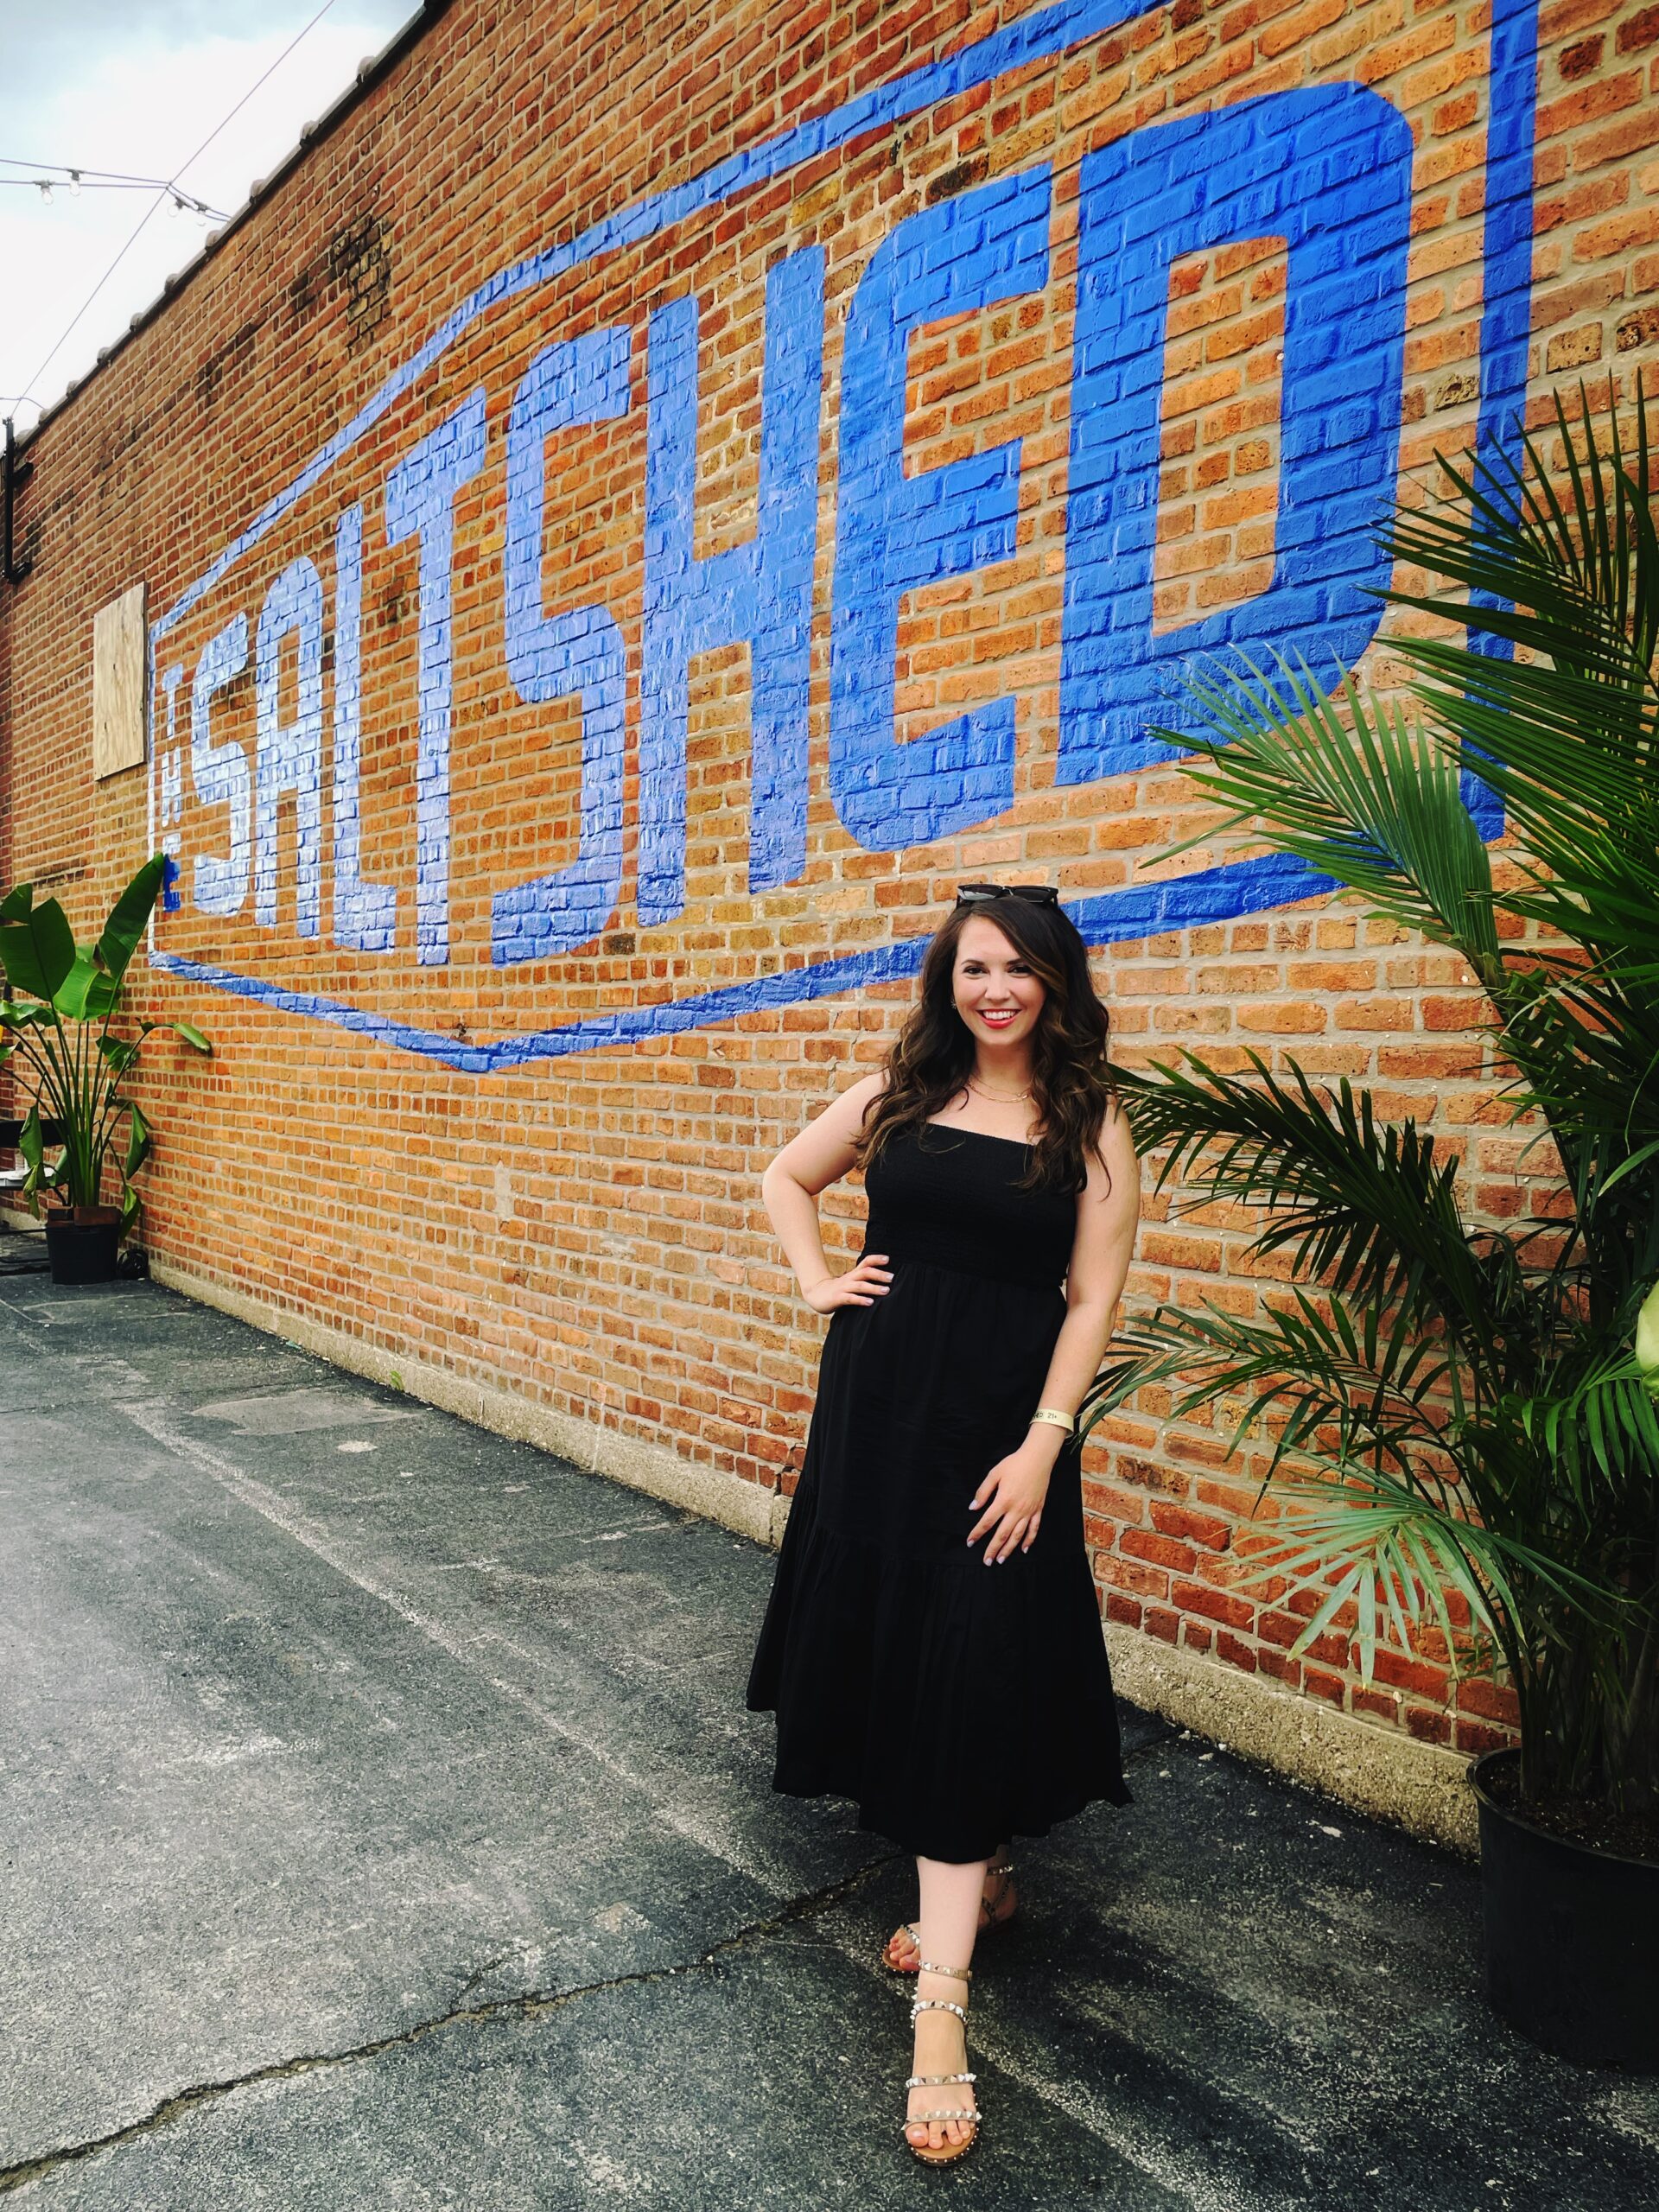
1214, 895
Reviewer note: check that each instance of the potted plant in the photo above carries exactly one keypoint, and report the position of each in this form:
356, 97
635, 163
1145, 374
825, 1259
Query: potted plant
59, 1030
1463, 1449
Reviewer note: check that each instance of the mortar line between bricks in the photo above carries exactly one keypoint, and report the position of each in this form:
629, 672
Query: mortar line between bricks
534, 2004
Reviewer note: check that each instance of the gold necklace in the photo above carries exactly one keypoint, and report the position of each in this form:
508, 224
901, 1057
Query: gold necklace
983, 1093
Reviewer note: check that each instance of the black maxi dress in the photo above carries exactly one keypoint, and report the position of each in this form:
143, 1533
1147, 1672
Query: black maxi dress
957, 1704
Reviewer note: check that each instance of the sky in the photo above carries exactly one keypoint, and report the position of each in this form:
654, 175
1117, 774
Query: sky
135, 85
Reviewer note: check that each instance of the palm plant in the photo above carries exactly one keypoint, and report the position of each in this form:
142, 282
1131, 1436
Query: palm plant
1461, 1434
60, 1031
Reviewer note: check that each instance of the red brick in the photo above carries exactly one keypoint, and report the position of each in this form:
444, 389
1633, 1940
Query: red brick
1159, 1551
1215, 1605
1207, 1529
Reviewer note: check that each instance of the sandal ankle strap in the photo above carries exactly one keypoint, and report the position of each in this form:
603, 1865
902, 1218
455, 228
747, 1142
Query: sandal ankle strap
937, 2004
951, 1974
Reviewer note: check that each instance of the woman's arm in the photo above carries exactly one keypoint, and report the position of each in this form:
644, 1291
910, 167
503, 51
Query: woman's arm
1109, 1213
809, 1163
1009, 1501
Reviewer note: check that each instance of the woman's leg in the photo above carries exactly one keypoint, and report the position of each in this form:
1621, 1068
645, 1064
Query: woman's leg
949, 1922
999, 1902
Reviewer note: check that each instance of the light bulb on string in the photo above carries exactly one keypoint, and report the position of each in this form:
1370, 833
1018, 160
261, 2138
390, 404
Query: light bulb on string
74, 184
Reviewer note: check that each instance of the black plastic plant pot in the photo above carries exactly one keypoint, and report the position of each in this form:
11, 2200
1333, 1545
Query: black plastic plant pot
81, 1243
1571, 1937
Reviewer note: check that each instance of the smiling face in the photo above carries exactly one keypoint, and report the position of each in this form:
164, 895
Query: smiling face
997, 993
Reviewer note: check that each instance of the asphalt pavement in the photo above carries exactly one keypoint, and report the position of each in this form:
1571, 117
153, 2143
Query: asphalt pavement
383, 1827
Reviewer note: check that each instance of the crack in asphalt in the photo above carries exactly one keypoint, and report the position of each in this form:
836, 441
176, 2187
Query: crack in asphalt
533, 2004
529, 2004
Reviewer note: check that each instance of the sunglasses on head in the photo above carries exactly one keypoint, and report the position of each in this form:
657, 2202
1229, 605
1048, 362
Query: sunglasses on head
1041, 895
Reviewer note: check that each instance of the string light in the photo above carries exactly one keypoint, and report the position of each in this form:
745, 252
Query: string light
77, 180
162, 189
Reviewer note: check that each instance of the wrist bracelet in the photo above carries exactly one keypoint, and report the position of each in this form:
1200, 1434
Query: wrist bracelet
1067, 1421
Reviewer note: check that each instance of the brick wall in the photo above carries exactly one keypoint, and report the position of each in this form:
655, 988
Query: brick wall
644, 505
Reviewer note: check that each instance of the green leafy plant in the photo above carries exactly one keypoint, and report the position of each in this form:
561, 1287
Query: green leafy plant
1461, 1436
55, 1022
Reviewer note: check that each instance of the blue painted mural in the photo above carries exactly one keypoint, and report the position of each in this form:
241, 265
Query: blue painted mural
1326, 169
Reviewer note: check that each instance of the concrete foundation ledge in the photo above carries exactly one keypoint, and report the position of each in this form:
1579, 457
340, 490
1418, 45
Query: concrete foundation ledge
1374, 1769
641, 1465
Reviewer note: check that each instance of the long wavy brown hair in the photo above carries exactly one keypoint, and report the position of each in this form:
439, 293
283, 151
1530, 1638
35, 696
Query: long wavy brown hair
1072, 1085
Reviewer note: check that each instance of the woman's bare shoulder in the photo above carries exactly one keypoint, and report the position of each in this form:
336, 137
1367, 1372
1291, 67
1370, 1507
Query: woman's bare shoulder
850, 1106
868, 1086
825, 1149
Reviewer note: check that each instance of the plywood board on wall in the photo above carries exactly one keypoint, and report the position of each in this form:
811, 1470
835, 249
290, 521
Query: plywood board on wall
118, 664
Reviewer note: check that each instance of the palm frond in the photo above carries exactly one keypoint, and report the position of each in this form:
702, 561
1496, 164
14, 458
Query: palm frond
1460, 1426
1571, 570
1599, 1427
1349, 784
1401, 1555
1371, 1384
1367, 1208
1579, 786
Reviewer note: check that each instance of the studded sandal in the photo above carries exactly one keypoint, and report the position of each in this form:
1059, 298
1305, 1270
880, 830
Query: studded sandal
970, 2119
990, 1917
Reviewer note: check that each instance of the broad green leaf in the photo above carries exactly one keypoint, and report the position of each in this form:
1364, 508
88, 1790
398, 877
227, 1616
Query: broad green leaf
1647, 1336
31, 1144
120, 1052
192, 1036
103, 996
138, 1142
38, 950
130, 915
70, 997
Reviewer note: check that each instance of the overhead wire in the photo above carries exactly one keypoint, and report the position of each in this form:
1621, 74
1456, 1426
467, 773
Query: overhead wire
170, 185
45, 185
85, 172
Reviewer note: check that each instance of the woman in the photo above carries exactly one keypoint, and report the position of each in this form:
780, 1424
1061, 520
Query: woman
931, 1646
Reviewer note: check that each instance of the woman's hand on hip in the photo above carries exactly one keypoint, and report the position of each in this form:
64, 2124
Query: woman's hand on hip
862, 1284
1011, 1495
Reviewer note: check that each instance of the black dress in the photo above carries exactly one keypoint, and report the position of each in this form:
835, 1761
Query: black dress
958, 1704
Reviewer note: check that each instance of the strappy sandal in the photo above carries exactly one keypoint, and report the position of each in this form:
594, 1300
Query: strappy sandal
990, 1918
970, 2119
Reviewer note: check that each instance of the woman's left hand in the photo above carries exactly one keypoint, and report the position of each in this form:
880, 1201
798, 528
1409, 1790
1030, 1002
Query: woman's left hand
1011, 1495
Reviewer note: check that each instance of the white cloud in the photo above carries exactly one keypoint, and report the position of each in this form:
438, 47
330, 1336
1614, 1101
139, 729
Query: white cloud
140, 97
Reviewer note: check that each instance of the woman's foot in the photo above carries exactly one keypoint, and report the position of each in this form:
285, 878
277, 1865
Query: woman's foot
996, 1905
941, 2047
